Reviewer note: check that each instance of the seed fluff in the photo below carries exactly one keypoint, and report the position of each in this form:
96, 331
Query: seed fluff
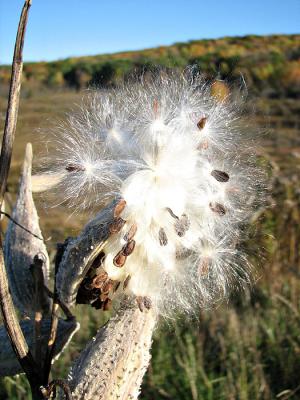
185, 179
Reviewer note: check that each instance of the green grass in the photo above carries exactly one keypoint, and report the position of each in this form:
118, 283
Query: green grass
247, 349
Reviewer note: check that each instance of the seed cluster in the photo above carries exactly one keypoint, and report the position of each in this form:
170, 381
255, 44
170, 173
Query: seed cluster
186, 178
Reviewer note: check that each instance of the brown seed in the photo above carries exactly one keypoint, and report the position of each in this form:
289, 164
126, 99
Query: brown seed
99, 280
107, 304
140, 302
203, 267
171, 213
128, 248
185, 222
147, 302
217, 208
108, 285
130, 234
182, 225
119, 259
103, 296
117, 225
220, 176
126, 282
119, 208
201, 123
75, 168
162, 236
183, 253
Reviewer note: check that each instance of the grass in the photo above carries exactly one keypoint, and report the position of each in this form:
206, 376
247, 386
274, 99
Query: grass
247, 349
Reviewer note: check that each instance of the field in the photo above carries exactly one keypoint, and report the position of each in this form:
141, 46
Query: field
246, 349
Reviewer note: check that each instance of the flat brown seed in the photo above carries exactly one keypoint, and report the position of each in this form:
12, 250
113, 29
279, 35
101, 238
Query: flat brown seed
182, 225
119, 208
162, 236
103, 296
203, 267
117, 225
185, 222
128, 248
130, 234
75, 168
220, 176
119, 259
147, 302
140, 302
171, 213
99, 280
126, 282
217, 208
108, 285
201, 123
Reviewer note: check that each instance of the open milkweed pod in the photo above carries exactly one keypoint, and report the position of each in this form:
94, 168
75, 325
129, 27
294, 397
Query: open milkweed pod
186, 180
114, 362
22, 246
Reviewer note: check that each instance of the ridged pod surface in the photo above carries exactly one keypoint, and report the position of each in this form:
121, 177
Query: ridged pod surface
113, 364
80, 253
21, 246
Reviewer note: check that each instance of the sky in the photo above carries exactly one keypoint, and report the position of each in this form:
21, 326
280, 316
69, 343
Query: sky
62, 28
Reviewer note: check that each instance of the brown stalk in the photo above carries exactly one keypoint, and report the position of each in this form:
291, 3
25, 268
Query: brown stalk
51, 389
13, 101
10, 320
54, 317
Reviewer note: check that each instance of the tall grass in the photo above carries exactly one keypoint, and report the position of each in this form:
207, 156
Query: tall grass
248, 349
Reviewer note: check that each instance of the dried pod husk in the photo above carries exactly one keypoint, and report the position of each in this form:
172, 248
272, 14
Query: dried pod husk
9, 365
22, 246
113, 364
80, 254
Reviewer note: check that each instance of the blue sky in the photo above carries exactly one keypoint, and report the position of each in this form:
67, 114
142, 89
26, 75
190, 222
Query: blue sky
63, 28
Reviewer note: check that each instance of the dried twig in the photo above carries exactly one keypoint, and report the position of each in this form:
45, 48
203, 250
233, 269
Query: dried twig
13, 101
41, 303
9, 315
51, 389
54, 317
65, 309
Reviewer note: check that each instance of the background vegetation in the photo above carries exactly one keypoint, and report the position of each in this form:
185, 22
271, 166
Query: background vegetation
270, 64
248, 349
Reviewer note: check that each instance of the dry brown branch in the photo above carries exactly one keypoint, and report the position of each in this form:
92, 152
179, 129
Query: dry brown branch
54, 318
50, 390
13, 101
9, 315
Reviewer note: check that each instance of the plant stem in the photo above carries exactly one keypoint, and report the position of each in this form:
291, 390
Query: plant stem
11, 322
